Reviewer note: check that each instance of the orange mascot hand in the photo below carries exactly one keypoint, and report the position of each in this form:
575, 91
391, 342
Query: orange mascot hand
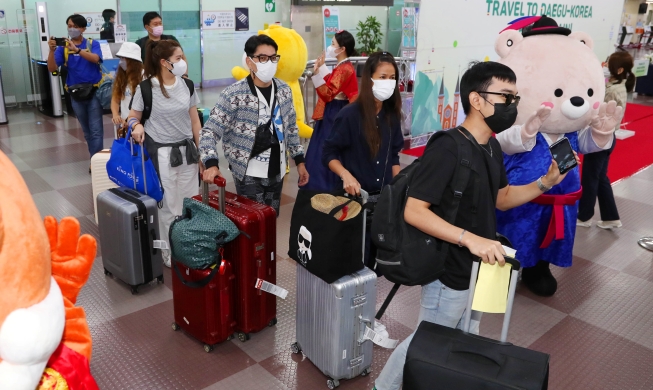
72, 260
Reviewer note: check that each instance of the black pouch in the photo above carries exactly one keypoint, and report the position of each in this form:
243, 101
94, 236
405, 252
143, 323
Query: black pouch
263, 139
82, 92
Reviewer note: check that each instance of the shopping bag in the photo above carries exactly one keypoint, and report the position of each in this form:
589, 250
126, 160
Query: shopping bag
130, 166
328, 243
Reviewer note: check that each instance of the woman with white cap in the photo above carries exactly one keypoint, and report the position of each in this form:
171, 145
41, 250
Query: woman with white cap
128, 75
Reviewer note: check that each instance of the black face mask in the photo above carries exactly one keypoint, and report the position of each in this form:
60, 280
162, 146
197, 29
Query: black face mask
504, 117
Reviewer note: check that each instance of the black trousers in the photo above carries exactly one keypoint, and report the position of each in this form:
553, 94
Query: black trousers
595, 184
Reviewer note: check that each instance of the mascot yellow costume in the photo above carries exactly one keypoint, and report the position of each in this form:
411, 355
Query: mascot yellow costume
294, 55
45, 342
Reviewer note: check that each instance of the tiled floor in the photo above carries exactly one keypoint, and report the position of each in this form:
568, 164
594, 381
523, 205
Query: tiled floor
598, 328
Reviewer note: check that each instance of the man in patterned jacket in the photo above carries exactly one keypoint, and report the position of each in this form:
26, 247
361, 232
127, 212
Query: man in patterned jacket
256, 121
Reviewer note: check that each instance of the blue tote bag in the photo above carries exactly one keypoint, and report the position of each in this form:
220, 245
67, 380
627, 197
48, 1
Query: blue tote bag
130, 166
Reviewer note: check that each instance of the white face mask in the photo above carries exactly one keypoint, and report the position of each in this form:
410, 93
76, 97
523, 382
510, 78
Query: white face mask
157, 31
331, 52
178, 68
383, 89
123, 64
266, 71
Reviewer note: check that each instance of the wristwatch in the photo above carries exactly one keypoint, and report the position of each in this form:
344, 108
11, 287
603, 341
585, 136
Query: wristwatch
542, 186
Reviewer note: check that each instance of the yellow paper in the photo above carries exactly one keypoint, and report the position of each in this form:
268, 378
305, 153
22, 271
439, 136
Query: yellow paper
491, 294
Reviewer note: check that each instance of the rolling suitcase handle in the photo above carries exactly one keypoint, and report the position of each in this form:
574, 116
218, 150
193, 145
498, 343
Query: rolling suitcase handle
221, 182
516, 265
131, 144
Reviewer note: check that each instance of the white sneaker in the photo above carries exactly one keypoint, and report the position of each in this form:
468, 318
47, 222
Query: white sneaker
609, 224
380, 329
586, 224
166, 257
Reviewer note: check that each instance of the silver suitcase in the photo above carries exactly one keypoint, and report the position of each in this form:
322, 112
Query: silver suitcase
331, 321
129, 223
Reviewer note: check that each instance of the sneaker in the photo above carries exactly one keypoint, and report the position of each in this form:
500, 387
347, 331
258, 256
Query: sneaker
609, 224
585, 224
166, 258
380, 329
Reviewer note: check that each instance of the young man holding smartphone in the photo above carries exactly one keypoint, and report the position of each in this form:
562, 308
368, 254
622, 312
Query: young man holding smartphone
81, 58
489, 98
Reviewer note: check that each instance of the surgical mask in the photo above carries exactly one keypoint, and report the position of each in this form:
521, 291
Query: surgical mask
266, 71
178, 68
123, 64
331, 52
503, 118
383, 89
74, 33
157, 31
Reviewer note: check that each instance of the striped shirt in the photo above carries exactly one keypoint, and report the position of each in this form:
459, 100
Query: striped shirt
169, 121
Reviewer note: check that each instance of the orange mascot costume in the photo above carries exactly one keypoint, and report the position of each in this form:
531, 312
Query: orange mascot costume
45, 342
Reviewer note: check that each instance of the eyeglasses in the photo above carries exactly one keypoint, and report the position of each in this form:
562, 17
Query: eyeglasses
509, 97
265, 58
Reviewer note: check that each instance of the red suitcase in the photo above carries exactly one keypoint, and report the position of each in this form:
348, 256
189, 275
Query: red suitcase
253, 257
205, 312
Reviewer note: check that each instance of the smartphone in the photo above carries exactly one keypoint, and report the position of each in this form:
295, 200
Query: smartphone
60, 41
562, 152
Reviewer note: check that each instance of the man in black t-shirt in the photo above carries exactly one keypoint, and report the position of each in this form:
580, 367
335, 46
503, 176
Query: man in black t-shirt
489, 99
106, 32
154, 26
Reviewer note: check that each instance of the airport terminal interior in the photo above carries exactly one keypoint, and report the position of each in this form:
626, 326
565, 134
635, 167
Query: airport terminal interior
597, 328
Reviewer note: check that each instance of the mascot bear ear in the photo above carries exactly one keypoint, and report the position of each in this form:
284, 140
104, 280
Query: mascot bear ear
583, 37
506, 42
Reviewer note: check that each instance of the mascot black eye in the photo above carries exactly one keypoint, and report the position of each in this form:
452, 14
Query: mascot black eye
558, 92
590, 92
509, 42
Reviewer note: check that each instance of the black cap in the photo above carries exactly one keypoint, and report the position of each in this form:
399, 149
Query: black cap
545, 25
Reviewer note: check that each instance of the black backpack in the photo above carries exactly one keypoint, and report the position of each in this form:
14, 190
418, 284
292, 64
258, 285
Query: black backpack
405, 254
146, 92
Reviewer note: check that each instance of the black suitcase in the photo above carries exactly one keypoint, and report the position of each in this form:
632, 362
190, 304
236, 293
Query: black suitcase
444, 358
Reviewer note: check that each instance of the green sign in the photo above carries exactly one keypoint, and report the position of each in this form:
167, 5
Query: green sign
270, 5
641, 68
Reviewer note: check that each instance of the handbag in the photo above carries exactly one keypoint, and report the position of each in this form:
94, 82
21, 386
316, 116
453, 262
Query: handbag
328, 246
82, 92
197, 235
131, 167
264, 138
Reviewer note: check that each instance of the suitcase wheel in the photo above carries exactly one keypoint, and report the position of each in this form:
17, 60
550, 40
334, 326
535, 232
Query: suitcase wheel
159, 279
333, 383
208, 348
175, 327
243, 336
366, 372
273, 322
295, 348
106, 272
134, 290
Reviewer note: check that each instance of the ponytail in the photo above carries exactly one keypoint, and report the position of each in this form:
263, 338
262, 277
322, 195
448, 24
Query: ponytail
630, 82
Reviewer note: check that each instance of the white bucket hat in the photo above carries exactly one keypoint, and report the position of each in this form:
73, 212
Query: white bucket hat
130, 50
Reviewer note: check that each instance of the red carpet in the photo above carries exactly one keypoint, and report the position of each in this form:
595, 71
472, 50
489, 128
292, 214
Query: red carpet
630, 155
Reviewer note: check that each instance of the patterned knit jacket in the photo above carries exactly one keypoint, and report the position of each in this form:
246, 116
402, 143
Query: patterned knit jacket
234, 120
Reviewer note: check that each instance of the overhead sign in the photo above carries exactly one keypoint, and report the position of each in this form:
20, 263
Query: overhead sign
384, 3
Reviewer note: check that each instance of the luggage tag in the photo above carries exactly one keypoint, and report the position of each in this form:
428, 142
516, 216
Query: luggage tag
160, 244
271, 288
379, 340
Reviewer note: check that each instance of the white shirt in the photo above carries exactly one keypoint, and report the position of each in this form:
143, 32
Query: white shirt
258, 165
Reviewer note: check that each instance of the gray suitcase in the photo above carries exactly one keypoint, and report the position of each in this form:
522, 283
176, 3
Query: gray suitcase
331, 321
129, 224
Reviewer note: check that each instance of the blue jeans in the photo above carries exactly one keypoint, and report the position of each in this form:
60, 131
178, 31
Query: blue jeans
440, 305
89, 114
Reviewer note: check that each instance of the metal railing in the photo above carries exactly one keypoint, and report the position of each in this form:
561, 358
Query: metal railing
309, 94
